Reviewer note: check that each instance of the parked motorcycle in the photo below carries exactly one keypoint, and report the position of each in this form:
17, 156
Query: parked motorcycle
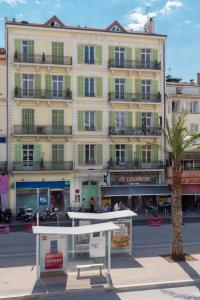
41, 216
52, 215
5, 215
28, 216
20, 213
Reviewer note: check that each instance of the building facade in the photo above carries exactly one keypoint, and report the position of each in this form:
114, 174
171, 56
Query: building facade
186, 95
85, 110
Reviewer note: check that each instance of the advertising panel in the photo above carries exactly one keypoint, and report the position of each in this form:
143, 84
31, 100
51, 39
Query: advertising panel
97, 245
121, 238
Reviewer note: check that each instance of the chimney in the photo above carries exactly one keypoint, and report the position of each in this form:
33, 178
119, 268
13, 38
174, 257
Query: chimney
151, 25
198, 78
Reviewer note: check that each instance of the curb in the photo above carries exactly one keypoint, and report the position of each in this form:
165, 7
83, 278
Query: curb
118, 289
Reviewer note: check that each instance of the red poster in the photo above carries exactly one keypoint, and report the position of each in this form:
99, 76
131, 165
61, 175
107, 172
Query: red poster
54, 260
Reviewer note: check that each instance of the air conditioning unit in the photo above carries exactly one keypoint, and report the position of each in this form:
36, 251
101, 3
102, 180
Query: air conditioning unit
40, 129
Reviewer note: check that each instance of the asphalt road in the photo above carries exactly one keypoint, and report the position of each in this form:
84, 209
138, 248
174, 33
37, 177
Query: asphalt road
18, 248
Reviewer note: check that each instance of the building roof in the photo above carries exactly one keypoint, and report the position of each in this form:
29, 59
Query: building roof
108, 226
102, 216
61, 25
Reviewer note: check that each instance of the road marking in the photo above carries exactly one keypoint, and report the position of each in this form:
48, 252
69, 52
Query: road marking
163, 245
17, 255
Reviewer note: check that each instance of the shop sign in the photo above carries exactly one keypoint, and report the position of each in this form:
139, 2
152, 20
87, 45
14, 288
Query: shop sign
43, 200
53, 261
121, 237
190, 180
134, 178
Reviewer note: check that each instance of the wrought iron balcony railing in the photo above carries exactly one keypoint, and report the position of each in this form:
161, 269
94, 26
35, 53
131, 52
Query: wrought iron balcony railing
134, 97
42, 165
137, 131
123, 165
134, 64
42, 130
43, 94
42, 59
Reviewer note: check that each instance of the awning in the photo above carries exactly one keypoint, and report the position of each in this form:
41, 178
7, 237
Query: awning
102, 216
190, 189
139, 190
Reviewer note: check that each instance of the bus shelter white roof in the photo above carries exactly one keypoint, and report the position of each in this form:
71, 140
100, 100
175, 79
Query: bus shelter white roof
102, 216
108, 226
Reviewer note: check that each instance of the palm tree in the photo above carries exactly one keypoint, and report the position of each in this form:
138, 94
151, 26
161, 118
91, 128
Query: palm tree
178, 141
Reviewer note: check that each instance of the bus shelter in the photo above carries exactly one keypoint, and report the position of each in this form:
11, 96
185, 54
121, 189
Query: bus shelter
121, 238
55, 253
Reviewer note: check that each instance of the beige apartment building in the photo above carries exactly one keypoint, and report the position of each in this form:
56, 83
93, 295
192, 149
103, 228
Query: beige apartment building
186, 95
85, 110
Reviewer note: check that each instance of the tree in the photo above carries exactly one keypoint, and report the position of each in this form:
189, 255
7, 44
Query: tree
178, 142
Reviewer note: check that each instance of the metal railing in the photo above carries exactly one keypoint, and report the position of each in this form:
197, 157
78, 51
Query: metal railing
43, 94
134, 64
42, 130
42, 165
42, 59
123, 165
155, 131
134, 97
3, 166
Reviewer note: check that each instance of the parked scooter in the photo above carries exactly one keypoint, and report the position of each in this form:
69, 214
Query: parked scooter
50, 214
28, 216
20, 213
41, 216
7, 215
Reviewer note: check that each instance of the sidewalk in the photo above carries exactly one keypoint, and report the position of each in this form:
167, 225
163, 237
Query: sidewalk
127, 272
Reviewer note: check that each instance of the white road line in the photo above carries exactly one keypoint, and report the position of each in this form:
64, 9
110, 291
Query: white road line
17, 255
163, 245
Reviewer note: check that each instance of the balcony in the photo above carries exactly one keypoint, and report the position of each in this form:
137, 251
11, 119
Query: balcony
3, 166
135, 131
43, 59
134, 64
42, 130
124, 165
135, 97
43, 94
30, 166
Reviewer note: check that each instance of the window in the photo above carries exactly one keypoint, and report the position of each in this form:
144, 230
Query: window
120, 152
90, 120
121, 121
57, 153
146, 89
90, 154
28, 155
179, 90
89, 87
194, 128
89, 54
115, 28
146, 58
119, 88
146, 121
119, 56
28, 85
57, 86
193, 107
146, 153
176, 106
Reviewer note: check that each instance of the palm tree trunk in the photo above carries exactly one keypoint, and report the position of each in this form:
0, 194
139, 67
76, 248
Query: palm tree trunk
177, 236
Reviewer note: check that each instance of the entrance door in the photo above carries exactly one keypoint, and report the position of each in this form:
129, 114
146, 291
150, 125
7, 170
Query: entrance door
57, 200
90, 189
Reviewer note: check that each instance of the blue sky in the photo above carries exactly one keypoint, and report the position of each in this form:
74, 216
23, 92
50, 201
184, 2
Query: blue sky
179, 19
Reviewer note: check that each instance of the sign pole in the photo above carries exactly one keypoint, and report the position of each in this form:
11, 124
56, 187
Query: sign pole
73, 241
37, 250
109, 251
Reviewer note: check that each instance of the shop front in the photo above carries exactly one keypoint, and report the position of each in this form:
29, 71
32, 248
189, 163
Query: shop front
4, 191
40, 195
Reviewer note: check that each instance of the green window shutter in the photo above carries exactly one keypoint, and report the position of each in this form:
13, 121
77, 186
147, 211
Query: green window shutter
18, 152
154, 87
112, 152
81, 152
54, 48
129, 53
18, 46
129, 156
98, 54
138, 119
58, 153
129, 118
18, 80
138, 153
99, 120
111, 85
154, 55
112, 118
155, 119
81, 51
111, 52
38, 85
31, 50
81, 120
60, 46
67, 80
58, 121
154, 151
137, 54
138, 86
48, 85
57, 52
98, 149
128, 86
28, 119
81, 87
37, 152
99, 87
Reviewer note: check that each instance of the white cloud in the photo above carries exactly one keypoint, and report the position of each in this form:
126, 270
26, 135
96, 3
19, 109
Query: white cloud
13, 2
170, 6
138, 18
188, 22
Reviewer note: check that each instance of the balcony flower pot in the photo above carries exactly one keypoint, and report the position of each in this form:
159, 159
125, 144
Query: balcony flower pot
43, 58
41, 163
16, 55
16, 91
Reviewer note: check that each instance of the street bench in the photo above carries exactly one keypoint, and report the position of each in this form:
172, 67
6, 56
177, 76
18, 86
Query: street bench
80, 267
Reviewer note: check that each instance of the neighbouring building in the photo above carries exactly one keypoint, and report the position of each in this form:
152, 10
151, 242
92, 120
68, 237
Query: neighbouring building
3, 132
186, 95
85, 110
